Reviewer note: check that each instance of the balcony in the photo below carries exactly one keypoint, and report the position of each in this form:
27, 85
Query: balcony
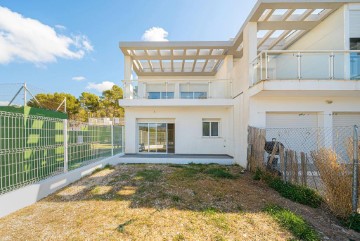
177, 92
306, 70
306, 65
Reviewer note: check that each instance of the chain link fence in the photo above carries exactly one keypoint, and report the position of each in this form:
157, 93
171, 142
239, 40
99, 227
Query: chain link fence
319, 158
33, 148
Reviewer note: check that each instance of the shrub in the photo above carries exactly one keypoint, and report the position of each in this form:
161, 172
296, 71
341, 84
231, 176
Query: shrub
296, 193
294, 223
337, 181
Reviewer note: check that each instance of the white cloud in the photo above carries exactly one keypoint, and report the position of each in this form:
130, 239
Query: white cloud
78, 78
32, 41
4, 103
155, 34
105, 85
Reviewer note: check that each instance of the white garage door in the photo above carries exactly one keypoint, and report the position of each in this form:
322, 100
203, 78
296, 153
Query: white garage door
343, 132
297, 131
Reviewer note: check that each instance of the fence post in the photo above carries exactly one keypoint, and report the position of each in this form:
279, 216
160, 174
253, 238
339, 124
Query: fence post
355, 184
65, 134
112, 139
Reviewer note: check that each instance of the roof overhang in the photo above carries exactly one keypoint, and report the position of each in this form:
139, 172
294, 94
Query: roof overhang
176, 58
280, 23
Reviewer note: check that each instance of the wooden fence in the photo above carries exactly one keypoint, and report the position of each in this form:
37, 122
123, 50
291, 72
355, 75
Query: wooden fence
294, 167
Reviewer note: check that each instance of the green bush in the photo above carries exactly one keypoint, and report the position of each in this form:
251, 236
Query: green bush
296, 193
353, 222
294, 223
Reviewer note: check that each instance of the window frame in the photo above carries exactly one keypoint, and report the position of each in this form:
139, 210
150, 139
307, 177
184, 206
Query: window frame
211, 121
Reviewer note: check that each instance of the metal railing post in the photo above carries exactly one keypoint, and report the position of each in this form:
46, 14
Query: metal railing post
65, 134
299, 65
112, 138
355, 184
266, 65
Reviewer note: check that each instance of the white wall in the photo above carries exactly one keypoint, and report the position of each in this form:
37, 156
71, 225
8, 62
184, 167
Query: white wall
328, 35
188, 128
262, 104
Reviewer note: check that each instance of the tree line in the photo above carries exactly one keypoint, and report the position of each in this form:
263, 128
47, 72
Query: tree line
87, 105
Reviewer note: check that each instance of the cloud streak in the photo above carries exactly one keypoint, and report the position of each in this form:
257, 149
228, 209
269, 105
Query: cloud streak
78, 78
29, 40
105, 85
155, 34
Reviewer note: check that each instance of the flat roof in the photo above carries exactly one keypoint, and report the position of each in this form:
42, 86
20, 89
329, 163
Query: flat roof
280, 23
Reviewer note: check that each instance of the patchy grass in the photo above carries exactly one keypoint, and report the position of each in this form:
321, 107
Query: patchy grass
148, 175
294, 223
155, 202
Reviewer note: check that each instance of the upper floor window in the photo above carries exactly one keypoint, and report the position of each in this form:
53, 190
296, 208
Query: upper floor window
210, 128
193, 95
160, 95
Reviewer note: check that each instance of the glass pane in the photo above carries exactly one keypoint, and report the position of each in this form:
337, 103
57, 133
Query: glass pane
152, 137
167, 95
206, 128
200, 95
143, 138
355, 66
161, 138
186, 95
214, 128
153, 95
282, 66
315, 66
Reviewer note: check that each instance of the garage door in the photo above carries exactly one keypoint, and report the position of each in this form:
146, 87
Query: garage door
343, 132
298, 131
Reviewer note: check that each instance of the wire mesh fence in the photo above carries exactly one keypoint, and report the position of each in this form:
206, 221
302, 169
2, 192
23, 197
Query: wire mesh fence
291, 151
319, 158
32, 148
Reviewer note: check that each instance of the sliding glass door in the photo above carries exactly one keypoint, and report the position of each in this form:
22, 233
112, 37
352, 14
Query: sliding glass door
154, 138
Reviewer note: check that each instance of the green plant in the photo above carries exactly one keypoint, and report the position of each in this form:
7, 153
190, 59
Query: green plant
294, 223
353, 222
149, 175
296, 193
257, 175
219, 173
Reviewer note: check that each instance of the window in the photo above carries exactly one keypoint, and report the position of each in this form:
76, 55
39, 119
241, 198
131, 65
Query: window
193, 95
160, 95
210, 128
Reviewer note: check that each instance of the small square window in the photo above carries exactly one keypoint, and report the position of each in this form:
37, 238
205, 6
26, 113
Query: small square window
210, 128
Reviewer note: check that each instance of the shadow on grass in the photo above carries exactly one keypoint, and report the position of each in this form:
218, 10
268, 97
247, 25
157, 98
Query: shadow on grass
195, 187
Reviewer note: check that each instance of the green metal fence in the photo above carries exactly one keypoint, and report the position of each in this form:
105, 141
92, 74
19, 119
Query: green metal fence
33, 148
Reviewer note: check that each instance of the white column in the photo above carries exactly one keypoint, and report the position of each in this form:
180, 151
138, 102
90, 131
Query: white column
249, 54
128, 68
250, 48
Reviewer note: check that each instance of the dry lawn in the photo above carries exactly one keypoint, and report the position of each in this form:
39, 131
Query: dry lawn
162, 202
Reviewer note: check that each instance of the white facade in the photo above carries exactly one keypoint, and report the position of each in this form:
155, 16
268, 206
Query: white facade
292, 64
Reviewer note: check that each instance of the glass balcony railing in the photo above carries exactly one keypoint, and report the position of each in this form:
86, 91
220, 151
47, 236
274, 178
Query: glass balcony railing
306, 65
203, 89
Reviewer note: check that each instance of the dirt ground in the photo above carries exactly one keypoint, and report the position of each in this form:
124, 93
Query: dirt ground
163, 202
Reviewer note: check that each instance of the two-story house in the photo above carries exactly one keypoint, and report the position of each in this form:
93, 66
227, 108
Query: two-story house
294, 63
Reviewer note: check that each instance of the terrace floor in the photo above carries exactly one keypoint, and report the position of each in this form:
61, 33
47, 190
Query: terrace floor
162, 202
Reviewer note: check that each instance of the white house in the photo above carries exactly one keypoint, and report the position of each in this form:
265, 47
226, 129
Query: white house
294, 63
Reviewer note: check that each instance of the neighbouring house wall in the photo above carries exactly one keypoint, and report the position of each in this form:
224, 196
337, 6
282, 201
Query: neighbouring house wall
188, 128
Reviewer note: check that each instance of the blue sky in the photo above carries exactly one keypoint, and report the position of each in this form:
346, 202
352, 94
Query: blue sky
80, 38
